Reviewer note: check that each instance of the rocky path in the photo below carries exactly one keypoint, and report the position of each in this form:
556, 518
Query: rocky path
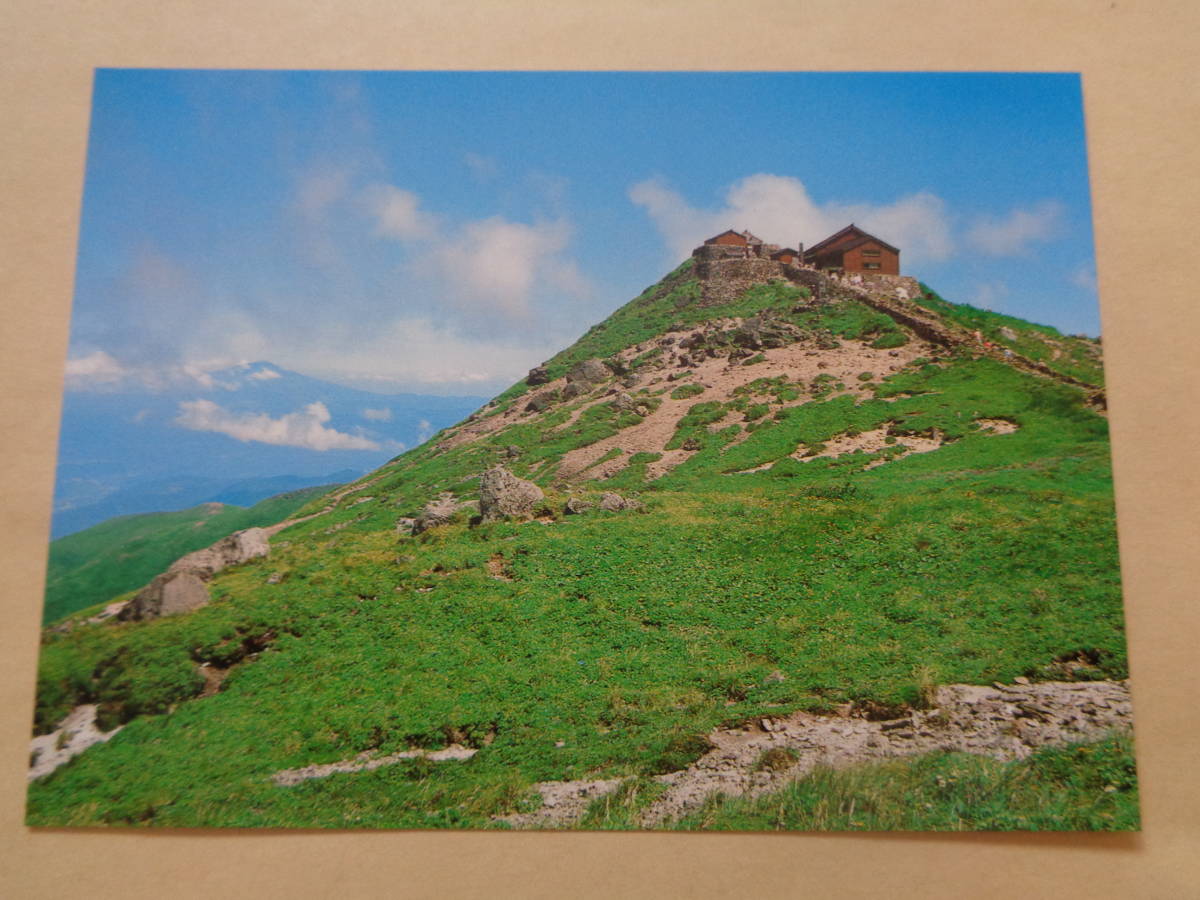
1004, 722
933, 329
74, 734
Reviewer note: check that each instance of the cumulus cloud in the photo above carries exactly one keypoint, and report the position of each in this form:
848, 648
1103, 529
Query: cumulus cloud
397, 213
496, 266
264, 375
378, 415
303, 428
97, 369
780, 210
101, 371
436, 357
1012, 235
424, 431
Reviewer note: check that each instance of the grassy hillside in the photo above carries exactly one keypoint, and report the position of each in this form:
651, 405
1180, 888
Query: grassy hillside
607, 644
95, 565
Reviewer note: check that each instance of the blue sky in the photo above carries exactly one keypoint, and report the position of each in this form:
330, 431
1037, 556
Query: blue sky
444, 232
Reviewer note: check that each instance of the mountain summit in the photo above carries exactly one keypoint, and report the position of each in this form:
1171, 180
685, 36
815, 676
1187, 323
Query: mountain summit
764, 517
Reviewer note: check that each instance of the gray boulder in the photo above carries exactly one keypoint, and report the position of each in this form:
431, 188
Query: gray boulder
1007, 333
503, 495
624, 402
437, 512
537, 375
239, 547
575, 506
542, 401
184, 586
169, 594
616, 503
589, 372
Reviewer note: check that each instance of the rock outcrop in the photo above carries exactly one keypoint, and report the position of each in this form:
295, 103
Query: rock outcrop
184, 586
590, 372
239, 547
537, 375
502, 495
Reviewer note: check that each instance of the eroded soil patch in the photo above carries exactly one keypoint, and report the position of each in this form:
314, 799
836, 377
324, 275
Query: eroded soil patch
365, 762
1005, 722
74, 734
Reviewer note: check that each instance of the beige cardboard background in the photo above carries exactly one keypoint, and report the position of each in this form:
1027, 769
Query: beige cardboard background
1143, 112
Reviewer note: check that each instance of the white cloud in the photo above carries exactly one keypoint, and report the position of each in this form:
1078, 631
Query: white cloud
424, 431
779, 209
378, 415
264, 375
304, 428
101, 371
94, 370
397, 213
436, 357
1013, 234
495, 265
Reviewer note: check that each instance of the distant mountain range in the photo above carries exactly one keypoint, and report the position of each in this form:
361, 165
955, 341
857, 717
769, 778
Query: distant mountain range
139, 450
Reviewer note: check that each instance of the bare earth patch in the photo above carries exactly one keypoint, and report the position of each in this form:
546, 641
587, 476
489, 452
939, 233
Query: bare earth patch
1005, 722
798, 361
997, 426
365, 762
74, 734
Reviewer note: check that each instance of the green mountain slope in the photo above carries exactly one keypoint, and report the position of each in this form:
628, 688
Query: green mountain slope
833, 509
95, 565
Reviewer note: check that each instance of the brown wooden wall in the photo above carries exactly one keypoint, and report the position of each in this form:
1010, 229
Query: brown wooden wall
856, 260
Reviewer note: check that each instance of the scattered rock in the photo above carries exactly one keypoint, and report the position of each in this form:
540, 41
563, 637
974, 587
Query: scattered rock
590, 372
542, 401
275, 578
437, 513
624, 402
690, 444
1007, 333
503, 495
575, 506
1004, 722
537, 375
615, 502
405, 525
512, 451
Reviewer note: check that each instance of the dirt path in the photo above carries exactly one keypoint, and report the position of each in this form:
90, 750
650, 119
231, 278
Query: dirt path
365, 762
334, 499
1004, 722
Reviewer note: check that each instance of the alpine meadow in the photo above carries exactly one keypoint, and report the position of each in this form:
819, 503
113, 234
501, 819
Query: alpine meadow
789, 541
